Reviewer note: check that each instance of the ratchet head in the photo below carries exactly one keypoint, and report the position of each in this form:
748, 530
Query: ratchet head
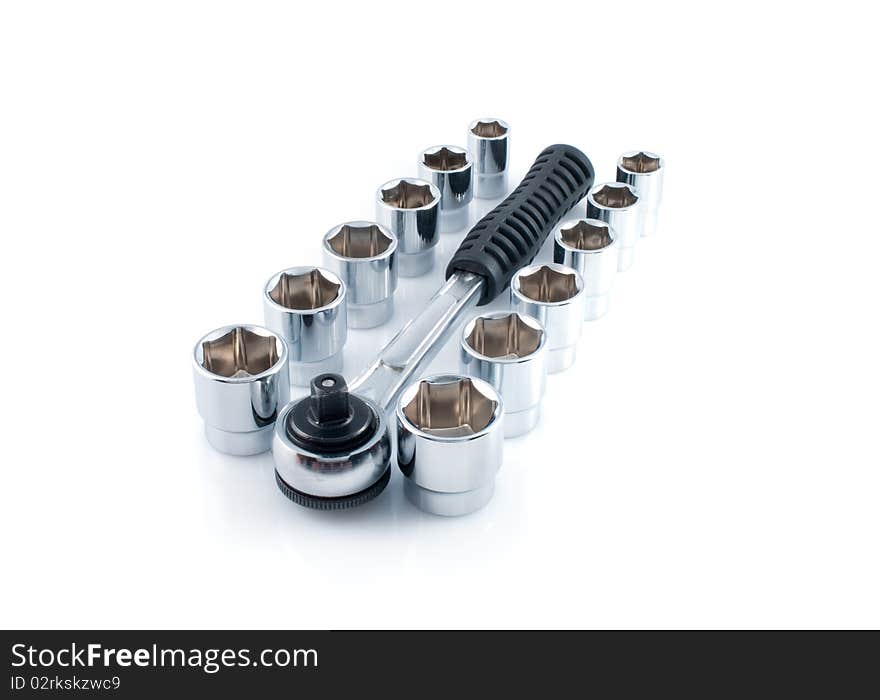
332, 449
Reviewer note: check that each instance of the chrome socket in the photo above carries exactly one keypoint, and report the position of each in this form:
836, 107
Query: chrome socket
554, 295
241, 382
450, 442
619, 206
643, 170
332, 449
509, 351
450, 170
590, 247
410, 209
307, 307
488, 142
364, 256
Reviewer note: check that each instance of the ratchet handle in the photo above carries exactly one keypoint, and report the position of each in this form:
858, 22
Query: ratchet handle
511, 235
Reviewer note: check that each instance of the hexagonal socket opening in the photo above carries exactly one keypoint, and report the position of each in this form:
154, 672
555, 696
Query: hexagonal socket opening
445, 158
304, 291
615, 195
640, 162
408, 195
489, 129
452, 407
587, 235
239, 353
360, 241
504, 338
548, 285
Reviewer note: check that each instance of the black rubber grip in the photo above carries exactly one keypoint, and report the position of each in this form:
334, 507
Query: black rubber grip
510, 236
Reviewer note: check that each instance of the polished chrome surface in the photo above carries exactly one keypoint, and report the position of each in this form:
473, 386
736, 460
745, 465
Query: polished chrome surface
489, 144
449, 504
416, 344
332, 475
410, 209
509, 351
364, 255
643, 170
241, 382
450, 442
450, 169
554, 295
380, 384
307, 307
619, 205
590, 247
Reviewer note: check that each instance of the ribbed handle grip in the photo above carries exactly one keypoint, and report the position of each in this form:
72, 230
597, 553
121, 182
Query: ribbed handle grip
510, 235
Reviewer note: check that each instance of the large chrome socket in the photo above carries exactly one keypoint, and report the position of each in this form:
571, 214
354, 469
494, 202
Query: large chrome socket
509, 351
619, 205
450, 441
643, 170
307, 307
590, 247
554, 295
410, 209
241, 382
489, 143
364, 255
450, 170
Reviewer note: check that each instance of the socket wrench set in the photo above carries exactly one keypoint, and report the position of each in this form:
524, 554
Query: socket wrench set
335, 447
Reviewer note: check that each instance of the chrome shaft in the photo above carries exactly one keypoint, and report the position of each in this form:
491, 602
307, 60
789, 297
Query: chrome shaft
419, 341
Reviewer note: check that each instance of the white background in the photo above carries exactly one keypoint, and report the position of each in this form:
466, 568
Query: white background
712, 458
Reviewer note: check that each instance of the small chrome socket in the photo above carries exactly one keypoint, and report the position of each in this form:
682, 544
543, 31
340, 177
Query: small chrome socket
619, 206
241, 382
332, 449
554, 295
509, 351
450, 443
643, 170
410, 209
450, 170
364, 256
590, 247
489, 143
307, 306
